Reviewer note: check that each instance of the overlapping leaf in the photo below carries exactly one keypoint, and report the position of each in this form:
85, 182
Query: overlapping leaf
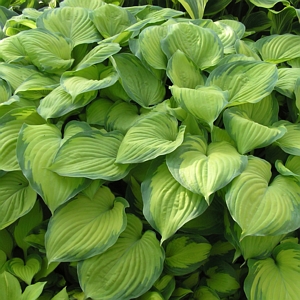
73, 237
202, 168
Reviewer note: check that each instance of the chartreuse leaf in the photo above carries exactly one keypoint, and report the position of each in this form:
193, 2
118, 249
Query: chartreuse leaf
185, 254
167, 204
72, 237
243, 47
33, 291
282, 20
149, 42
6, 242
10, 125
246, 81
51, 108
96, 111
89, 4
17, 197
151, 295
291, 167
50, 52
111, 19
154, 135
183, 72
194, 8
201, 45
36, 148
180, 293
73, 22
250, 246
37, 86
138, 82
127, 269
275, 277
100, 149
165, 285
5, 91
86, 80
290, 142
247, 133
204, 102
25, 224
202, 168
221, 277
205, 293
98, 54
262, 208
278, 48
227, 36
9, 286
25, 270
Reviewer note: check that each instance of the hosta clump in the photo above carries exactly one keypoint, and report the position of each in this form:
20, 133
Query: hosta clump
148, 152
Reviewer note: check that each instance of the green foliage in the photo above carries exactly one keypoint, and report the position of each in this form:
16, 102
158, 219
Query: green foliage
149, 149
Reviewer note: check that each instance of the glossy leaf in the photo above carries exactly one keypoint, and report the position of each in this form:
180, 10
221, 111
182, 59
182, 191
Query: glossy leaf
36, 148
72, 237
154, 135
204, 169
246, 81
127, 269
201, 45
167, 204
261, 207
100, 149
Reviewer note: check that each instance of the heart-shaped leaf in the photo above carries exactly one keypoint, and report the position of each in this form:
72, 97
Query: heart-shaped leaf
72, 237
27, 270
127, 269
260, 207
202, 168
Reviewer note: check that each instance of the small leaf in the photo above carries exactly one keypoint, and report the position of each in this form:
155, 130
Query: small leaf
127, 269
33, 291
204, 169
72, 237
154, 135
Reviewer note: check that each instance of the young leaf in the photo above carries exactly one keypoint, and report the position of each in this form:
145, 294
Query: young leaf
17, 198
204, 169
33, 291
73, 22
154, 135
73, 237
201, 45
127, 269
246, 81
138, 82
167, 204
262, 208
36, 148
100, 149
275, 277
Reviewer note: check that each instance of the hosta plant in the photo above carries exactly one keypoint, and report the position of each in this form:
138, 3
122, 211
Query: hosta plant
149, 151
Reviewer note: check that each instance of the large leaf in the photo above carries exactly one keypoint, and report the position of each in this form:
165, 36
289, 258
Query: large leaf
154, 135
167, 204
185, 254
246, 81
88, 4
127, 269
96, 111
17, 198
202, 168
275, 277
201, 45
36, 148
138, 82
287, 78
10, 125
9, 286
260, 207
5, 91
278, 48
50, 52
100, 149
183, 72
204, 102
73, 237
72, 22
266, 3
194, 8
248, 134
